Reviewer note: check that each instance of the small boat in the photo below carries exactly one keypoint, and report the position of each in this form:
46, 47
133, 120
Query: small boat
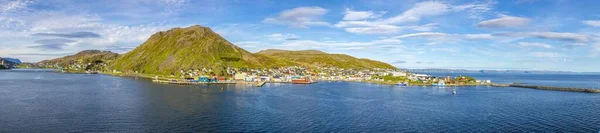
454, 92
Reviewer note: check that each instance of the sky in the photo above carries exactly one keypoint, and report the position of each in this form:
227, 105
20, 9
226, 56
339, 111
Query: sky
558, 35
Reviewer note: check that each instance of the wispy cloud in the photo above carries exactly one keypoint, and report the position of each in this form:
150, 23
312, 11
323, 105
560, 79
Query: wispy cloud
360, 23
423, 34
46, 47
593, 23
534, 45
505, 21
559, 36
349, 14
302, 17
15, 5
54, 41
281, 37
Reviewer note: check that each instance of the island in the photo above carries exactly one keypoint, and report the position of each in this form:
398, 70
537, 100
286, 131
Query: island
198, 55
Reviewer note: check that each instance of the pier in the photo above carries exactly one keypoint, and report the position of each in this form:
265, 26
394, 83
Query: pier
260, 84
569, 89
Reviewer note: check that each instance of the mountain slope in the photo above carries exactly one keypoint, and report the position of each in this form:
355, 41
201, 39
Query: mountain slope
315, 58
188, 48
83, 57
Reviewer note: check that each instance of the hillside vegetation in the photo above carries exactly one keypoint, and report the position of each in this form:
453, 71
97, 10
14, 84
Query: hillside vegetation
315, 58
197, 47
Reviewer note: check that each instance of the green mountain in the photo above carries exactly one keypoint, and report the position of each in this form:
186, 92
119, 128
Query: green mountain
82, 58
197, 47
315, 58
194, 47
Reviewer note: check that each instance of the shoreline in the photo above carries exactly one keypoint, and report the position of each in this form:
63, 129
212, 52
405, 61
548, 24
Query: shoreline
166, 79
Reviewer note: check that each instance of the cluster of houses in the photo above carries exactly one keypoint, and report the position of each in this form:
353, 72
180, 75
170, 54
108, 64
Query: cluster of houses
77, 65
288, 74
8, 63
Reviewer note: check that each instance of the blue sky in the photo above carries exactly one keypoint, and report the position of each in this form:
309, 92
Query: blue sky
487, 34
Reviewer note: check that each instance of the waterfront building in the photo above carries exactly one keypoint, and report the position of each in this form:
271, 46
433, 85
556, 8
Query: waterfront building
240, 76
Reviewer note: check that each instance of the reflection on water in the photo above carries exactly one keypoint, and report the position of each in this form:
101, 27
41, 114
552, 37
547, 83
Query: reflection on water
51, 102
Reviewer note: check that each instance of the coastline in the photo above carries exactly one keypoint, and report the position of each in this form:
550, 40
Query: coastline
162, 79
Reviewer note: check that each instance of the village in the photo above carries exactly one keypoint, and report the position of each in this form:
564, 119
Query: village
303, 75
290, 74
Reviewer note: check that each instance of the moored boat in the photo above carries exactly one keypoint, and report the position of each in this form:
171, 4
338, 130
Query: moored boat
301, 81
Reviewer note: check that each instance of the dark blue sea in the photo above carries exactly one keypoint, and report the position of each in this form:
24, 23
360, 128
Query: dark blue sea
43, 101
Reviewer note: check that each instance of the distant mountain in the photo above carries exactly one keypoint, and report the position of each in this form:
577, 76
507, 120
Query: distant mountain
315, 58
81, 58
198, 47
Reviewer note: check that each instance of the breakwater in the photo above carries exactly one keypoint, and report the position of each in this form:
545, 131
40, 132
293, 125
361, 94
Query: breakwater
570, 89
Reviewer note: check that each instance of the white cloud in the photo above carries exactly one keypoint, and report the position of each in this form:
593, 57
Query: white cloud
426, 27
534, 45
379, 29
360, 15
300, 17
423, 34
448, 50
281, 37
15, 5
421, 9
475, 9
546, 55
366, 27
559, 36
359, 24
433, 8
593, 23
505, 21
478, 36
111, 36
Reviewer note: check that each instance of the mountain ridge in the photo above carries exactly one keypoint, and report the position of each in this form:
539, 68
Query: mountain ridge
198, 47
